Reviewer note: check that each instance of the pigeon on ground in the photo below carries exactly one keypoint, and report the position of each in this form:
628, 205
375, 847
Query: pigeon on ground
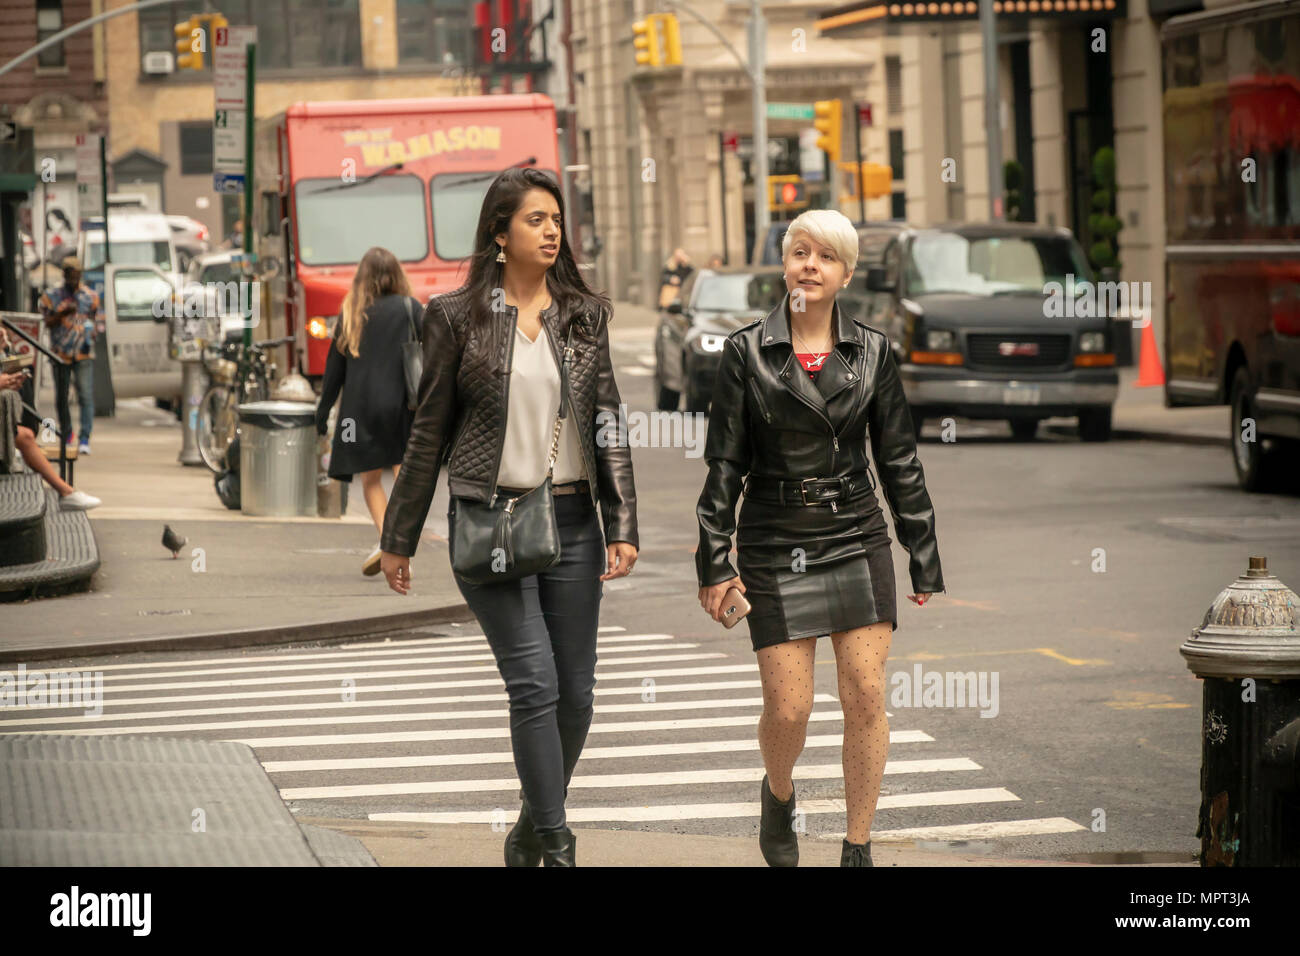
172, 541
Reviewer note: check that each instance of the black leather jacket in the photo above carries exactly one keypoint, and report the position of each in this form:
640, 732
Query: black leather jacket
769, 418
461, 416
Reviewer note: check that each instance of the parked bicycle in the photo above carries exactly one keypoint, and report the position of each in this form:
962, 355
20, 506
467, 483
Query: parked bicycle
238, 374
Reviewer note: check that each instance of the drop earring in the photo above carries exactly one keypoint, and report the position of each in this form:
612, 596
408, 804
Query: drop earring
501, 253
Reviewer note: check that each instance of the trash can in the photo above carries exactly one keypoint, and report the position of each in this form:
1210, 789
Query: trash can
277, 458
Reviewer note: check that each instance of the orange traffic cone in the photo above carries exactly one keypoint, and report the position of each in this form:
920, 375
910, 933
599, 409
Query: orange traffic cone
1150, 371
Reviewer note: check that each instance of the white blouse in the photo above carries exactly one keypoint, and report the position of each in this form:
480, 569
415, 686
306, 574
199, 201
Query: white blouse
533, 403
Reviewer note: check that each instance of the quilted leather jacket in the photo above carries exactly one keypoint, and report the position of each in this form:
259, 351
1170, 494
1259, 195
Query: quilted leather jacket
770, 419
461, 418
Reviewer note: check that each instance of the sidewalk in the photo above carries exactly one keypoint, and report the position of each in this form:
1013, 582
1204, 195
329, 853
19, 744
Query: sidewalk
239, 580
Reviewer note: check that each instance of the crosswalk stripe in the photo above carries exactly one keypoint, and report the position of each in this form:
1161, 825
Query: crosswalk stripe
369, 689
588, 753
971, 831
496, 714
116, 713
334, 664
416, 672
618, 780
491, 733
382, 648
710, 811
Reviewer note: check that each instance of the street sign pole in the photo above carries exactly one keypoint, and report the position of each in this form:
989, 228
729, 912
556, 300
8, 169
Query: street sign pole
103, 192
758, 74
992, 128
857, 155
249, 114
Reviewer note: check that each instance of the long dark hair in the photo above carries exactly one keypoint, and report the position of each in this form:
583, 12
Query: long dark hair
565, 282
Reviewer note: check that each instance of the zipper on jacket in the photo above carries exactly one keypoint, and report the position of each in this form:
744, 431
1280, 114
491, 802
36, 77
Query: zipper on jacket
505, 405
762, 406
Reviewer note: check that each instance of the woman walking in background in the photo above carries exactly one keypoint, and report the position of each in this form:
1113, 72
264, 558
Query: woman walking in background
798, 395
491, 393
365, 364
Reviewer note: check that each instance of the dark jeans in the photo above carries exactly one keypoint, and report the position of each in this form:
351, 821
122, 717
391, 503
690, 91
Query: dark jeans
542, 629
81, 374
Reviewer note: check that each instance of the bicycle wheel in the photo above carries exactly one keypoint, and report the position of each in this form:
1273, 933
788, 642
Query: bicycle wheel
218, 419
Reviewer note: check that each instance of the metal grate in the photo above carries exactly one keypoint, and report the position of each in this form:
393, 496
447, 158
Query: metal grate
985, 350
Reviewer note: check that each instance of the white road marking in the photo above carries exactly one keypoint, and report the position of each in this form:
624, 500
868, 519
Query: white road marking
970, 831
496, 733
588, 753
379, 649
717, 811
406, 718
617, 780
333, 691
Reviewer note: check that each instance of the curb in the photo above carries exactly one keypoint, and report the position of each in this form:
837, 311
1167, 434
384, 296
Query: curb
1177, 438
251, 637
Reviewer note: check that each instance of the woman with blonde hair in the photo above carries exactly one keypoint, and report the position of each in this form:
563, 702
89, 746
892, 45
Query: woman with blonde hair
365, 364
798, 396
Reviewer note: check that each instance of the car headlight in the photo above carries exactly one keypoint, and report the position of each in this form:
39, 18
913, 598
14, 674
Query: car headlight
940, 340
1092, 341
711, 343
318, 327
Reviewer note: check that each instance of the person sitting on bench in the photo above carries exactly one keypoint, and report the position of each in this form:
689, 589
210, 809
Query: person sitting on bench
70, 499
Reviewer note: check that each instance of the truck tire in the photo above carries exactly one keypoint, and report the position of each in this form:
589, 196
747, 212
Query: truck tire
1258, 468
1094, 424
1023, 429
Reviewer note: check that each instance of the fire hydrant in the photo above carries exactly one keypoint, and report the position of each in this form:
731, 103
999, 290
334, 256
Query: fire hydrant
1247, 652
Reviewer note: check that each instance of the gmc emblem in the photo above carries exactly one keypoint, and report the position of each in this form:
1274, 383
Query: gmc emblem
1017, 348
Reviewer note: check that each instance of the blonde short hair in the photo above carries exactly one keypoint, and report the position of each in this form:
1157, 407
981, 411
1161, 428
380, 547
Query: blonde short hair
828, 227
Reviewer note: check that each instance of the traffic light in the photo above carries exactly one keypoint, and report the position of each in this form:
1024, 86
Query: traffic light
189, 58
198, 27
827, 117
672, 39
645, 39
786, 192
877, 180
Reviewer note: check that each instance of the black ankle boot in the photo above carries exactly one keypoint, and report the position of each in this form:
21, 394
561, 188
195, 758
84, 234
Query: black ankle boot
856, 854
523, 846
776, 836
558, 848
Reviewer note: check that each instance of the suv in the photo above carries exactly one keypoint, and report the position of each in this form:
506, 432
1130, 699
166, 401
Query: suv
978, 321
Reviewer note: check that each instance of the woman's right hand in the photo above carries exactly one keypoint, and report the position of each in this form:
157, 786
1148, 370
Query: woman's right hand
711, 597
397, 571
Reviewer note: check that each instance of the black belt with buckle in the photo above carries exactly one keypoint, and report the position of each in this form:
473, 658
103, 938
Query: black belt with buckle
809, 491
580, 487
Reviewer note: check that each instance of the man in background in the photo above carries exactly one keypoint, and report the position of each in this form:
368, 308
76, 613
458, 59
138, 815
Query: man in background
676, 271
69, 311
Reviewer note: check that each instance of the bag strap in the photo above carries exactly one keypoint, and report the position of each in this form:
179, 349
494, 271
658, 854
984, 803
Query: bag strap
410, 320
564, 402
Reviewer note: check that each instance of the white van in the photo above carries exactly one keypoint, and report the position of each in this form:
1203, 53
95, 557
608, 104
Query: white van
145, 269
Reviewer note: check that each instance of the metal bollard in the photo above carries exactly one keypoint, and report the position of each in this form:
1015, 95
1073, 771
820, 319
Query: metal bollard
194, 384
1247, 651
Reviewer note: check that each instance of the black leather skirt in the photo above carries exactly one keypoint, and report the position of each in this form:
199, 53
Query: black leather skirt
810, 571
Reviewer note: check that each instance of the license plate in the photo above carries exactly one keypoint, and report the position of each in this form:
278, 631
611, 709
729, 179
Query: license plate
1020, 395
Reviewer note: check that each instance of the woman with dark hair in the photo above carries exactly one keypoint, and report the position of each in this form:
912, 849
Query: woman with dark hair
494, 351
365, 364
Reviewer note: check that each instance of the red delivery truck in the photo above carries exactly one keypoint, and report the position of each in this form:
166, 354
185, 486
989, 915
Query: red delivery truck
335, 178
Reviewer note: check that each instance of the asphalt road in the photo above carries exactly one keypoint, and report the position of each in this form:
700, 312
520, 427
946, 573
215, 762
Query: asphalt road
1091, 746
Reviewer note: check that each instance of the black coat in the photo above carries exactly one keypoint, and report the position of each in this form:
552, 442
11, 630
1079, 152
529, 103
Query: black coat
462, 415
373, 422
770, 419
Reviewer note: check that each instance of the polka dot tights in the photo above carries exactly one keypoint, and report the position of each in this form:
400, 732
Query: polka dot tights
786, 671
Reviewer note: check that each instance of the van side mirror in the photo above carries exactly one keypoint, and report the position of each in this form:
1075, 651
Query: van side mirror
878, 281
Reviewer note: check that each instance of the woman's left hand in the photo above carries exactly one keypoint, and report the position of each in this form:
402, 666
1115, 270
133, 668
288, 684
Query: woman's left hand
620, 556
919, 599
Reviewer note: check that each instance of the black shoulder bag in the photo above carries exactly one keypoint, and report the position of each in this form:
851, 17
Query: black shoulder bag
412, 360
511, 538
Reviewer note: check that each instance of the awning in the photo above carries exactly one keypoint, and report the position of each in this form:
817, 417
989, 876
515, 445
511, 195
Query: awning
876, 11
18, 182
1265, 113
